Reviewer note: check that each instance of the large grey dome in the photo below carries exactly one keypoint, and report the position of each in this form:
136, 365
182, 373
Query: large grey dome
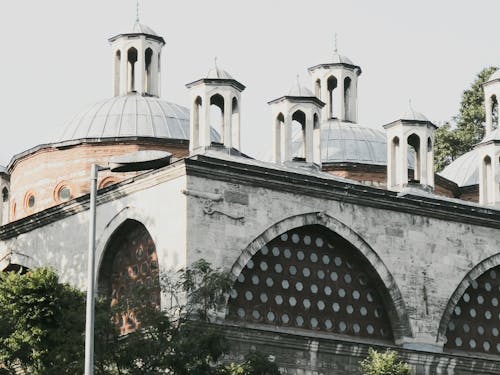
464, 171
349, 142
131, 115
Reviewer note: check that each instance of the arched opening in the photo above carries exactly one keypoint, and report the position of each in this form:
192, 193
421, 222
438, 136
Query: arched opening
414, 147
118, 58
279, 141
317, 88
347, 99
235, 121
473, 324
132, 76
195, 137
217, 114
494, 112
316, 139
5, 194
148, 58
130, 263
312, 278
299, 133
17, 268
331, 84
394, 161
487, 180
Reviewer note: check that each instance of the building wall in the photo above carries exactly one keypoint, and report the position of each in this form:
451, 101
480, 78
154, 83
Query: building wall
44, 172
63, 244
426, 258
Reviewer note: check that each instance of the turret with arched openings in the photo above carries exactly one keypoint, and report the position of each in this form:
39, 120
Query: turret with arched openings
336, 84
410, 137
489, 169
218, 89
302, 109
491, 96
137, 61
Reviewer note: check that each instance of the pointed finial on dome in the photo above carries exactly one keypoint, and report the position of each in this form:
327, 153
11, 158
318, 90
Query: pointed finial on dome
409, 103
137, 19
298, 79
336, 49
215, 63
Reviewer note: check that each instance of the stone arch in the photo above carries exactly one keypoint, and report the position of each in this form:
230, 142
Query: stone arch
129, 263
413, 141
480, 269
395, 304
331, 85
118, 57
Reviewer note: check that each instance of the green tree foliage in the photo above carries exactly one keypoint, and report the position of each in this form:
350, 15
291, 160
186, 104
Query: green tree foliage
450, 142
42, 328
41, 324
386, 363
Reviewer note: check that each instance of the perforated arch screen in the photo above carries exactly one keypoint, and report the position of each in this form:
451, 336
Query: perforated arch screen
310, 278
475, 322
135, 262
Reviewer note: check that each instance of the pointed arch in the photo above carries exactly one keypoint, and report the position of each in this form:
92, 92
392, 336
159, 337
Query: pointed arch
395, 162
393, 299
129, 260
413, 141
5, 194
299, 127
195, 138
148, 59
118, 58
468, 321
132, 74
494, 112
331, 85
279, 137
217, 113
487, 176
347, 98
317, 88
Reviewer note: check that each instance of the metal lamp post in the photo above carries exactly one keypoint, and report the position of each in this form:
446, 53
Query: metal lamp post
138, 161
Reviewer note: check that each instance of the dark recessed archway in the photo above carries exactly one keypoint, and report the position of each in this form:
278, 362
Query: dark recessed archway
130, 262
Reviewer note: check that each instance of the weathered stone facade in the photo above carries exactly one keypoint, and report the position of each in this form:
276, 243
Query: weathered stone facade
426, 251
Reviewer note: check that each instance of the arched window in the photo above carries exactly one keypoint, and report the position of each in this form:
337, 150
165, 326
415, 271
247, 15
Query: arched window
311, 278
414, 147
317, 88
279, 141
347, 99
5, 194
235, 121
494, 112
473, 326
130, 261
317, 139
331, 85
196, 122
217, 113
132, 76
299, 127
395, 162
148, 58
487, 178
118, 58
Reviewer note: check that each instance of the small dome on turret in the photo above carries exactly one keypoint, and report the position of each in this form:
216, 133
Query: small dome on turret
217, 73
298, 90
341, 59
140, 28
412, 115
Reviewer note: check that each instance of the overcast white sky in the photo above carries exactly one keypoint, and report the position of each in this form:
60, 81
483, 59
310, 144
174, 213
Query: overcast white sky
55, 58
